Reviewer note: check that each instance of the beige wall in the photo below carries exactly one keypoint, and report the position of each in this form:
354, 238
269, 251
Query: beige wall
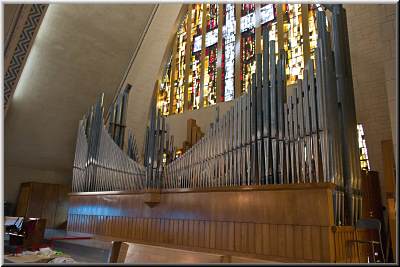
372, 47
15, 175
147, 67
79, 52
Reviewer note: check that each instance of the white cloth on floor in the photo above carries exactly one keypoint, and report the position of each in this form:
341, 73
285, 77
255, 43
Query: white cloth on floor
62, 260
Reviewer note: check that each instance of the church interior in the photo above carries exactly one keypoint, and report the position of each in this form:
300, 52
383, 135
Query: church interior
200, 133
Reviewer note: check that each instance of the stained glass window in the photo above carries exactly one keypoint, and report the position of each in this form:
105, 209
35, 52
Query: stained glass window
363, 148
210, 61
196, 60
165, 90
194, 76
293, 42
228, 53
312, 29
268, 21
247, 45
179, 70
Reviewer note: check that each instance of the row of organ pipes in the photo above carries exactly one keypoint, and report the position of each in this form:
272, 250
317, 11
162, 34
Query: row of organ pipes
273, 134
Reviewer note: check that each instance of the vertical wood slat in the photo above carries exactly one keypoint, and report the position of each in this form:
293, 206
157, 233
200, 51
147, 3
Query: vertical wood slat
307, 242
207, 234
201, 234
295, 242
258, 238
237, 231
251, 238
273, 232
281, 240
266, 239
316, 243
298, 244
289, 241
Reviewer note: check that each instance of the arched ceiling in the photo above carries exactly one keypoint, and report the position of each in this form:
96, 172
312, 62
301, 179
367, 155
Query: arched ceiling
79, 52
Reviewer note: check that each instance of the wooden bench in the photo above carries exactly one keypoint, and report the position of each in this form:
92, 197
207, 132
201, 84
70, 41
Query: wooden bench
124, 252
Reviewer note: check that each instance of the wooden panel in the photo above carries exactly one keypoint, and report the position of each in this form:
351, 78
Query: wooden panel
281, 240
47, 201
316, 243
139, 253
234, 227
266, 239
23, 200
344, 253
289, 241
307, 243
273, 232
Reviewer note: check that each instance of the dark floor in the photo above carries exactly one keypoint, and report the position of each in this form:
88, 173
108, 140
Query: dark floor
82, 254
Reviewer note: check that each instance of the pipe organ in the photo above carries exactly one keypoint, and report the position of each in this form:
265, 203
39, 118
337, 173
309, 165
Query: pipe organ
274, 134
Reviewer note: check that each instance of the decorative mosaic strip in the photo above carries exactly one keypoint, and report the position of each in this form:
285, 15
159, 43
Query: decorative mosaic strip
22, 50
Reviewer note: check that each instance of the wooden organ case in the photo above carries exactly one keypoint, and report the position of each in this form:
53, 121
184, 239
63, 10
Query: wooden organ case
276, 177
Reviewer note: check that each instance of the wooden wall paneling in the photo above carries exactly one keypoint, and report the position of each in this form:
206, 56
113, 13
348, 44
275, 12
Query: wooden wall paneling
251, 237
258, 238
136, 233
231, 236
191, 233
325, 248
316, 243
196, 226
150, 232
60, 219
23, 200
176, 232
266, 239
201, 234
181, 229
298, 242
166, 231
185, 239
289, 241
158, 230
171, 231
281, 241
244, 237
307, 246
273, 232
237, 233
36, 200
218, 235
131, 231
225, 235
234, 230
389, 170
207, 234
146, 229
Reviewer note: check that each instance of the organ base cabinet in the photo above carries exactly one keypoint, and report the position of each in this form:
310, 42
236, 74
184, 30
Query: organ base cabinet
289, 223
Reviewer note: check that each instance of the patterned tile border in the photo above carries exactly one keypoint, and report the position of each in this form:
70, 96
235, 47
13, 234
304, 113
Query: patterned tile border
12, 74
